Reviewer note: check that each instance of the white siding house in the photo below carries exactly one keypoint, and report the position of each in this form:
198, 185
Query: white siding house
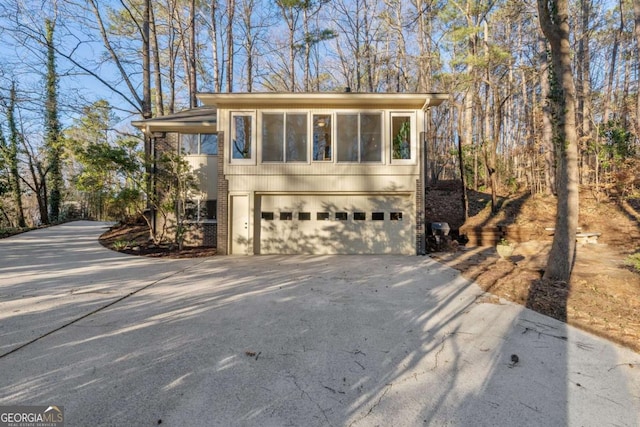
308, 173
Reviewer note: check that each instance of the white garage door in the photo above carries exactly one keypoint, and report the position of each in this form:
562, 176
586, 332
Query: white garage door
336, 224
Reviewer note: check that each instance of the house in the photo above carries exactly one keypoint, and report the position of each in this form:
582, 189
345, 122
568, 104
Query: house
304, 173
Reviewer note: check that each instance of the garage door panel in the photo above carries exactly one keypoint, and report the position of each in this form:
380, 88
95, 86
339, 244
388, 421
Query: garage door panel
293, 224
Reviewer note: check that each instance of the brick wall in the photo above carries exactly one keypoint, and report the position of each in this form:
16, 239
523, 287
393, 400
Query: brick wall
420, 229
223, 201
203, 234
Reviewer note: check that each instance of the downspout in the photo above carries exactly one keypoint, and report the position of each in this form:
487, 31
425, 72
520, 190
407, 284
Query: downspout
151, 181
423, 186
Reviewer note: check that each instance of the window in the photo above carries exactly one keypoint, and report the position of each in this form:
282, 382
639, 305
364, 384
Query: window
267, 216
304, 216
322, 137
200, 210
341, 216
401, 136
284, 137
322, 216
199, 143
286, 216
242, 136
359, 137
395, 216
377, 216
359, 216
347, 136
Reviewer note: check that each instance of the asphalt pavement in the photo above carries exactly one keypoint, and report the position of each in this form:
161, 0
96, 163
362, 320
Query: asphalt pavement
119, 340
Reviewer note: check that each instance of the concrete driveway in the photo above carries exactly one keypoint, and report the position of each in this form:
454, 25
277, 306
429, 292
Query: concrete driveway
287, 341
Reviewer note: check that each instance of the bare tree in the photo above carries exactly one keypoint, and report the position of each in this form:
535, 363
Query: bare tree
554, 21
636, 31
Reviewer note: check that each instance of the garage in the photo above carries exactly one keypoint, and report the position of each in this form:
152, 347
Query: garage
375, 223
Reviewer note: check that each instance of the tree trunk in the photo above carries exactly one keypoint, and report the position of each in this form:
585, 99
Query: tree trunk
156, 64
52, 128
547, 125
231, 9
636, 31
193, 82
554, 20
612, 67
10, 153
214, 46
146, 62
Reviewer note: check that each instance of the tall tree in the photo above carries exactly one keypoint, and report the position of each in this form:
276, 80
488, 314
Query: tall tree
554, 21
53, 137
193, 75
10, 155
231, 11
636, 31
546, 132
146, 60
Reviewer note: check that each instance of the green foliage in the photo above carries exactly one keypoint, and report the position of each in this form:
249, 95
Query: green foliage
400, 141
53, 137
120, 245
175, 183
618, 144
468, 157
108, 172
634, 261
9, 153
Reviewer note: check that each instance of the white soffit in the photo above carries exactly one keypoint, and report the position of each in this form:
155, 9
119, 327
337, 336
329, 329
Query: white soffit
413, 101
197, 120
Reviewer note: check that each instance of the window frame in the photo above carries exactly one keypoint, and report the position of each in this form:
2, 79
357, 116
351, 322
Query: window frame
331, 135
199, 204
359, 114
252, 138
285, 128
413, 147
199, 143
385, 152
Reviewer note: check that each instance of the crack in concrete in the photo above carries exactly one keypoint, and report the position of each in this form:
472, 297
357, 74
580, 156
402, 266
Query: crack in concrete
308, 396
97, 310
371, 409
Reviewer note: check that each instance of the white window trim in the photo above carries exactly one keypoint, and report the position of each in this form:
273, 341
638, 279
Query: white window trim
309, 115
332, 135
413, 146
199, 153
383, 131
254, 140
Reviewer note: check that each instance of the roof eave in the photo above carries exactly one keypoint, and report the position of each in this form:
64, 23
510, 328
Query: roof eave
322, 100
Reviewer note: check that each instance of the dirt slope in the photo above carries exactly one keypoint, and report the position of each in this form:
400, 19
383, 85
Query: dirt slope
604, 294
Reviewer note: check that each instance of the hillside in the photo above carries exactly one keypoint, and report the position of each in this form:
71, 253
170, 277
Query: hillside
604, 294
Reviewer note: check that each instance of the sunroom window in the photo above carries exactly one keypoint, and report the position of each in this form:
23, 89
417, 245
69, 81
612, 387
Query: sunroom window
242, 136
359, 137
322, 137
284, 137
401, 136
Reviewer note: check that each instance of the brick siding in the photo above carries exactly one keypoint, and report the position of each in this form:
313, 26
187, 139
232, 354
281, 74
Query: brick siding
223, 201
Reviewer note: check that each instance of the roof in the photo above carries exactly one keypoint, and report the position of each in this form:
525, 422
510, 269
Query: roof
411, 101
195, 119
189, 120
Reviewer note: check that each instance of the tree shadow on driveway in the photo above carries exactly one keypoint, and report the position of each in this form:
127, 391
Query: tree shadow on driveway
321, 340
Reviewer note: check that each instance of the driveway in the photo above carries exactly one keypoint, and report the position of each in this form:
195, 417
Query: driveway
287, 341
